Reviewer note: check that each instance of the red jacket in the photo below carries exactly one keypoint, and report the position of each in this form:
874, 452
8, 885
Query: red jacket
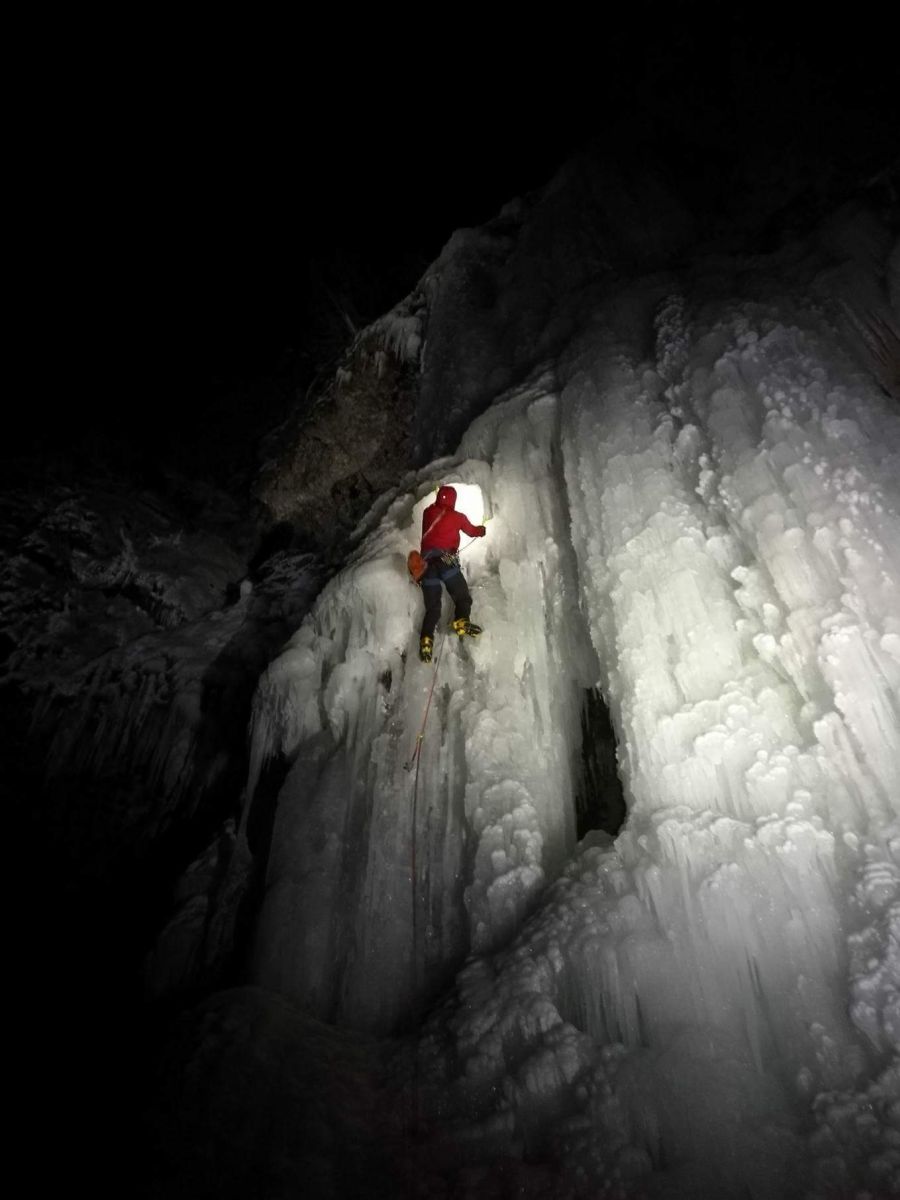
441, 523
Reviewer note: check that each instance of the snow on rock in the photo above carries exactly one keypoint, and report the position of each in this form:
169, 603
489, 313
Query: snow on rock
85, 570
128, 668
185, 953
496, 304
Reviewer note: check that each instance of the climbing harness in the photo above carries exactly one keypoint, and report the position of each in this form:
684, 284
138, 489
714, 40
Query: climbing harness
413, 760
415, 563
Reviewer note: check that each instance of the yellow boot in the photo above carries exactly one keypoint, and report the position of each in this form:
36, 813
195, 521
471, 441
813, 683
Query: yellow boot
426, 647
464, 627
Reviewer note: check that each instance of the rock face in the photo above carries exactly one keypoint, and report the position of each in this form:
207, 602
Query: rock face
134, 627
132, 648
328, 465
497, 301
324, 1126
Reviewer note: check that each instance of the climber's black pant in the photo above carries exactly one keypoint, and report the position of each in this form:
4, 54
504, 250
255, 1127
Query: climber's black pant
441, 571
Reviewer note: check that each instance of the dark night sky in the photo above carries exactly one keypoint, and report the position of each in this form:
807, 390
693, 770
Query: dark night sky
384, 156
373, 199
189, 190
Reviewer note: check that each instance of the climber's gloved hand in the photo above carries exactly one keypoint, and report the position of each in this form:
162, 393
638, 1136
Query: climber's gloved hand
481, 531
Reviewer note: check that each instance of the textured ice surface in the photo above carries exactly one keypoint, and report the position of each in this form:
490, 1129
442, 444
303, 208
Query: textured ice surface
706, 525
343, 706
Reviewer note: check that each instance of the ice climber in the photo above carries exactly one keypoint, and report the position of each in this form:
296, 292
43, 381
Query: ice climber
441, 526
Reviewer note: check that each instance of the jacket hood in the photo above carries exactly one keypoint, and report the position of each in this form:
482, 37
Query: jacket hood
446, 497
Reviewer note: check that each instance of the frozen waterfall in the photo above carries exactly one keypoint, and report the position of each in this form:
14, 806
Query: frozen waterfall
705, 524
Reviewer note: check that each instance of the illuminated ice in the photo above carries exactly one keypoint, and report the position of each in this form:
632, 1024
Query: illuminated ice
708, 1005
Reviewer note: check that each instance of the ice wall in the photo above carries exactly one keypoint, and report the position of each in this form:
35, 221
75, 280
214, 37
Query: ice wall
698, 510
489, 815
709, 1007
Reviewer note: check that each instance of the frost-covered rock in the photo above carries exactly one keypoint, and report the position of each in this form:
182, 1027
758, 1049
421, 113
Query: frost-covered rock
131, 655
497, 301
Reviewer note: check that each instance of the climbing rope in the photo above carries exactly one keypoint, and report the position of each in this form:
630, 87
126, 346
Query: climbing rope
414, 760
473, 540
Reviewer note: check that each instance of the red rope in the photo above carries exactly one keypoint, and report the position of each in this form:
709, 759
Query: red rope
414, 964
417, 748
415, 758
